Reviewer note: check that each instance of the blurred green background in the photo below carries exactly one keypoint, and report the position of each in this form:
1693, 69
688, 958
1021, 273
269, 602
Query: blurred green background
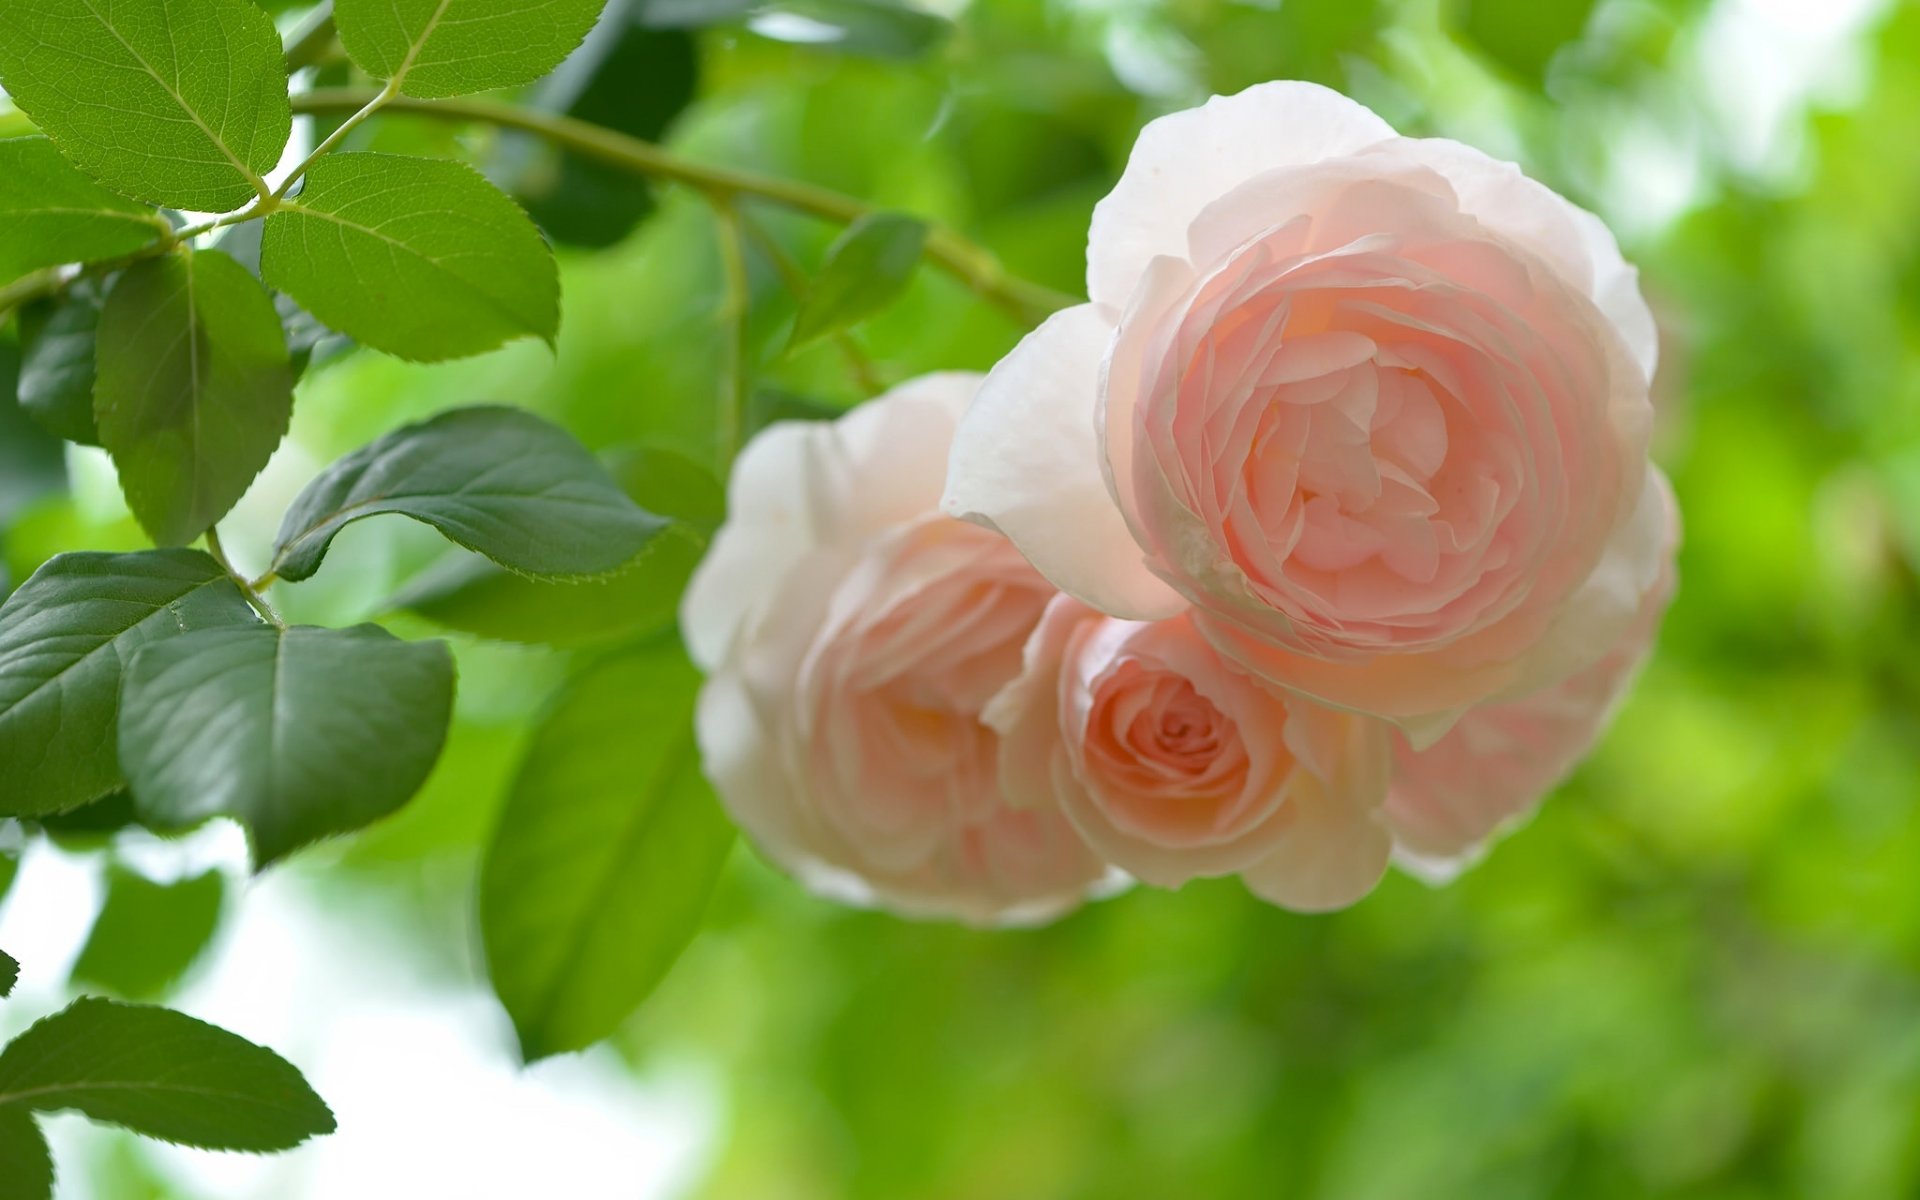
1695, 974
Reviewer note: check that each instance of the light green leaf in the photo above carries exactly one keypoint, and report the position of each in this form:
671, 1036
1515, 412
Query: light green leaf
53, 214
9, 973
23, 1151
192, 389
499, 481
418, 257
434, 48
175, 102
866, 267
56, 362
297, 733
611, 841
164, 1074
147, 933
474, 596
64, 636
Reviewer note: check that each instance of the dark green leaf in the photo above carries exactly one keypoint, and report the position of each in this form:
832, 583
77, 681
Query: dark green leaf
148, 934
499, 481
63, 639
9, 969
611, 841
866, 267
474, 596
627, 78
192, 389
1522, 35
9, 868
438, 48
92, 825
32, 461
164, 1074
53, 214
56, 367
175, 102
28, 1168
423, 259
298, 733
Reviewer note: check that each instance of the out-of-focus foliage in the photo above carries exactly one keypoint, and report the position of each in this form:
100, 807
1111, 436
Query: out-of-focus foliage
1696, 974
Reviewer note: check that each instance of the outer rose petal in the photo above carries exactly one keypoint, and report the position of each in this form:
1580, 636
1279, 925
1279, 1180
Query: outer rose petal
790, 492
1335, 856
1185, 160
1026, 461
1500, 760
1501, 196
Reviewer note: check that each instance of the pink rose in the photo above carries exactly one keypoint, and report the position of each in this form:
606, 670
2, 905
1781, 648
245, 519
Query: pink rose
1374, 407
852, 637
1493, 767
1174, 764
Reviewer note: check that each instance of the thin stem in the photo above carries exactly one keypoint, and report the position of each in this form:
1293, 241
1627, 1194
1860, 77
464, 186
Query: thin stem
372, 106
250, 591
865, 375
736, 309
971, 264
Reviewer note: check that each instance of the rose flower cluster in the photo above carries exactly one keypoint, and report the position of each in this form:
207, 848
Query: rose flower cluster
1322, 537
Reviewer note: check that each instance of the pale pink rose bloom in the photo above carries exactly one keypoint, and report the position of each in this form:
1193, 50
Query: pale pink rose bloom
1174, 764
1376, 408
1494, 766
852, 636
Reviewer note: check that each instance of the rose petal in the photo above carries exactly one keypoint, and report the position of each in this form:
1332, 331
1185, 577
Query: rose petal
1026, 462
1183, 161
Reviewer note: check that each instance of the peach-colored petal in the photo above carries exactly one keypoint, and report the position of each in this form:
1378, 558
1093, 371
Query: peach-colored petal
1026, 463
1182, 161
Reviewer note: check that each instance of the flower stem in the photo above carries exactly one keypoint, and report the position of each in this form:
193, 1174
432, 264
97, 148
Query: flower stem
737, 308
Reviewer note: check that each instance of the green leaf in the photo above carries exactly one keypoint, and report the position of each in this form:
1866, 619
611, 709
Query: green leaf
147, 933
53, 214
433, 48
297, 733
64, 636
23, 1150
499, 481
9, 867
56, 366
192, 389
474, 596
32, 461
308, 341
9, 971
176, 102
608, 848
1522, 35
163, 1074
418, 257
866, 267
